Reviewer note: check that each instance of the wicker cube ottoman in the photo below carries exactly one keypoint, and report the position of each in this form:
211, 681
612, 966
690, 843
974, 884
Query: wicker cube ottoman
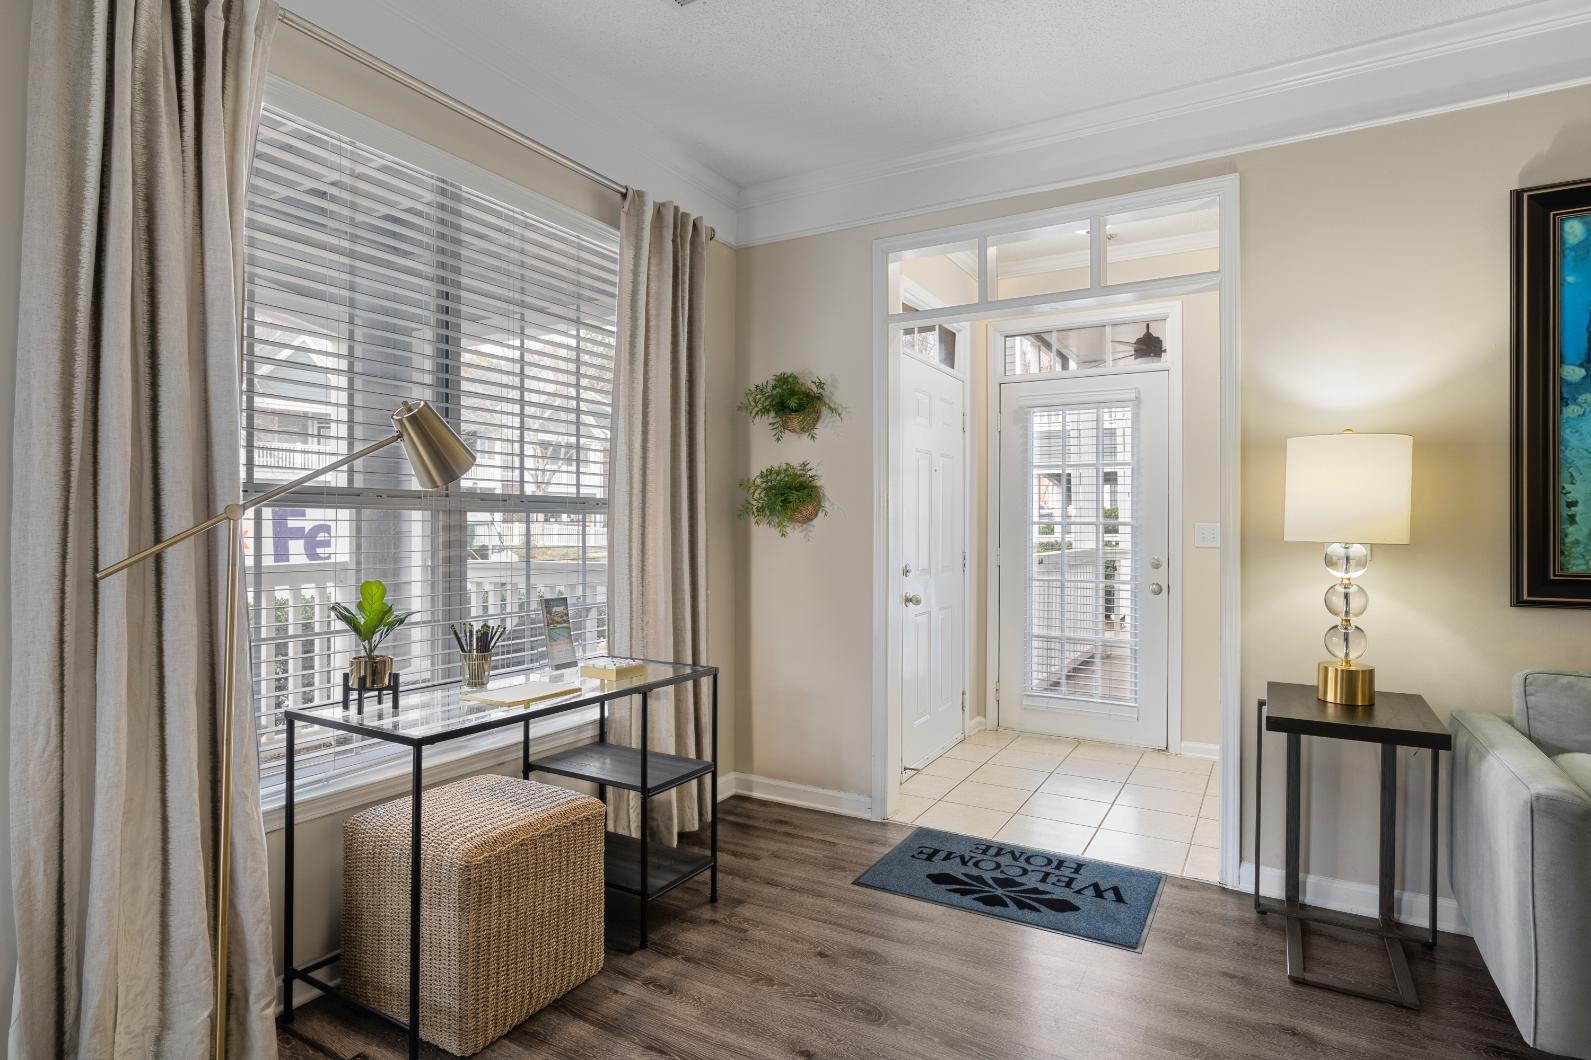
511, 909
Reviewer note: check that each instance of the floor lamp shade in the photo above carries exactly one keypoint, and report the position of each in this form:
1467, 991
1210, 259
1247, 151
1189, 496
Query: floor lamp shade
1349, 487
1348, 491
437, 455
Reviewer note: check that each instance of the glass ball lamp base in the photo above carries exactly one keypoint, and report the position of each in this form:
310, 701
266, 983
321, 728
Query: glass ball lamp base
1341, 679
1346, 683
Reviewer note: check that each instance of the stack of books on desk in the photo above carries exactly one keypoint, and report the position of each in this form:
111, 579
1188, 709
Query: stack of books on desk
611, 668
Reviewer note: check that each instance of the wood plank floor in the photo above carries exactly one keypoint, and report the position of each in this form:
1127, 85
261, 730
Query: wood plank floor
794, 961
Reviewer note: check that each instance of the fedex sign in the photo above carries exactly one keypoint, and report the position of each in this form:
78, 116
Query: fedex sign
314, 540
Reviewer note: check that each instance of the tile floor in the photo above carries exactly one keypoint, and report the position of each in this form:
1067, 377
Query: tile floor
1146, 808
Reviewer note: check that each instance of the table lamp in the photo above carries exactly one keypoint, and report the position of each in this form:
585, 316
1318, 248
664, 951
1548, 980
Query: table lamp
1349, 491
438, 457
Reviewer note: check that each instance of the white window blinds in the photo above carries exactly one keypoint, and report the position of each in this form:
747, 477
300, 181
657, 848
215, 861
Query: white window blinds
367, 281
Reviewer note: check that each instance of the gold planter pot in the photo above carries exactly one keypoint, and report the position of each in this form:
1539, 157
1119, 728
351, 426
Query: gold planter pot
374, 670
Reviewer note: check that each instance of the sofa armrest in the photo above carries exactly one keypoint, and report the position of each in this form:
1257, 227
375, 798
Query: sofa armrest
1521, 865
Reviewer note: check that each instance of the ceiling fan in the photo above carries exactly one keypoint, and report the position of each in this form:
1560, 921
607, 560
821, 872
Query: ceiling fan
1146, 347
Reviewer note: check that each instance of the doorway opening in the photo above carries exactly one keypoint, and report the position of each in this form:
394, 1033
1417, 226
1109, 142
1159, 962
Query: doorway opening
1094, 516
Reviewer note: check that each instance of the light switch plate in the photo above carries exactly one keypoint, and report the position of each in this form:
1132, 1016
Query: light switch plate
1206, 535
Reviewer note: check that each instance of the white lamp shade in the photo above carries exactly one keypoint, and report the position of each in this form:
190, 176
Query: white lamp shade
1349, 487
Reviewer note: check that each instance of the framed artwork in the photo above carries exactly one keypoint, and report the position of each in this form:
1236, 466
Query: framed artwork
560, 635
1551, 395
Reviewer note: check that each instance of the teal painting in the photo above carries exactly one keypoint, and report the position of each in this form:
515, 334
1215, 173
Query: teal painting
1550, 396
1573, 283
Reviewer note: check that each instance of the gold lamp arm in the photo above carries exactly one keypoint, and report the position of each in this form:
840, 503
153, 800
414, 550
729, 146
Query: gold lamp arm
235, 511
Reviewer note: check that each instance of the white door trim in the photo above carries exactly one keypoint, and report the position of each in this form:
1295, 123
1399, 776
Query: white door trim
886, 703
1172, 366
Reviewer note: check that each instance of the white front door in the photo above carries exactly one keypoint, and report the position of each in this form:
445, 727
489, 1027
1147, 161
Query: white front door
931, 588
1083, 552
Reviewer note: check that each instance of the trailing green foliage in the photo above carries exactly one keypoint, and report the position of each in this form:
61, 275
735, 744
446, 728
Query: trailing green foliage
374, 620
789, 403
782, 496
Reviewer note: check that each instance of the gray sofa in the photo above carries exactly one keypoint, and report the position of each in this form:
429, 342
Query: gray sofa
1522, 852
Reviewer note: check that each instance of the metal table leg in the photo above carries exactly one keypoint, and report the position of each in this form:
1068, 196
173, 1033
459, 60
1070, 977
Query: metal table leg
414, 909
646, 878
1407, 996
1386, 928
1436, 824
712, 892
1259, 797
1290, 889
287, 879
602, 737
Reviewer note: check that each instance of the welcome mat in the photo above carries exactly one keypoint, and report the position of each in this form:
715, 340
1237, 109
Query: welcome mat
1094, 900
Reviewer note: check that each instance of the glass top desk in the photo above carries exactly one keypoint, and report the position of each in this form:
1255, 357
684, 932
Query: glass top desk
436, 716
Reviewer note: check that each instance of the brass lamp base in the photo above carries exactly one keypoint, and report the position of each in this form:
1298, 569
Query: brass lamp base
1349, 685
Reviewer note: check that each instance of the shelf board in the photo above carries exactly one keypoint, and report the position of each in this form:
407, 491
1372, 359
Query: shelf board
667, 867
620, 767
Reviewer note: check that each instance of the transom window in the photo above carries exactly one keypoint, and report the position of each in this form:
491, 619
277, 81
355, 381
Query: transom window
368, 281
1076, 349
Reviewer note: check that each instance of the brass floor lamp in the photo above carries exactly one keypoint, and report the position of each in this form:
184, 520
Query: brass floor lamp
438, 457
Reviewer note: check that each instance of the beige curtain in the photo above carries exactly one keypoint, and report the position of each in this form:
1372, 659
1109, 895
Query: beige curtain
657, 549
141, 124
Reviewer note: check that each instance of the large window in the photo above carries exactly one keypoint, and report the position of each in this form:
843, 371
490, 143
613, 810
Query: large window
367, 281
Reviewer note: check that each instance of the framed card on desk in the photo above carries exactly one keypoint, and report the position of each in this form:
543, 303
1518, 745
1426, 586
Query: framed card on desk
560, 635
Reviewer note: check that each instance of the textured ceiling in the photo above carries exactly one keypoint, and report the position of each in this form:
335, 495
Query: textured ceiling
762, 89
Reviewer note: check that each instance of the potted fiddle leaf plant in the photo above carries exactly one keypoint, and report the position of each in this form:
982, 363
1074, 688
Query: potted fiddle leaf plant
783, 496
371, 621
790, 403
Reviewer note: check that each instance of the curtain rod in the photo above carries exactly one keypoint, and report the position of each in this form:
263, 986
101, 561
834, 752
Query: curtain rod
386, 69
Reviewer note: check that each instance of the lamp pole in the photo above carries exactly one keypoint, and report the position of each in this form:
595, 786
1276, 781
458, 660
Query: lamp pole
438, 457
232, 516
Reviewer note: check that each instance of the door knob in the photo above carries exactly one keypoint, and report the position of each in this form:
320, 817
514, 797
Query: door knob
913, 600
1155, 589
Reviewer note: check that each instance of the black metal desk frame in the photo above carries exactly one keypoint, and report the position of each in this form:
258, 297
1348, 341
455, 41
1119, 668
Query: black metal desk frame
1429, 735
658, 872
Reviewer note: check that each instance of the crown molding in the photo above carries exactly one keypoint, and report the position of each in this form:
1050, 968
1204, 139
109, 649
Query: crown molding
608, 139
1528, 49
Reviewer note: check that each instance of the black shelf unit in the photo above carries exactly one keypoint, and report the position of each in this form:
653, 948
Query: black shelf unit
445, 718
628, 861
620, 767
668, 867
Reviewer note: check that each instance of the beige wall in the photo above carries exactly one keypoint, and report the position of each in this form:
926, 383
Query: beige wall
1375, 291
306, 63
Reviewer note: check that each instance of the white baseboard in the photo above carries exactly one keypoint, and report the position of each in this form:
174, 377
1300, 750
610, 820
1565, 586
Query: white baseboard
1201, 750
1362, 899
976, 724
845, 803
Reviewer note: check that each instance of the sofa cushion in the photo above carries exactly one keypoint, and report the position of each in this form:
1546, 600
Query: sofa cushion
1553, 709
1578, 768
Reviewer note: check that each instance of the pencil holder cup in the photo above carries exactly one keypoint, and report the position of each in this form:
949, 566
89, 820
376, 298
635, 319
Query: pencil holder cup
477, 668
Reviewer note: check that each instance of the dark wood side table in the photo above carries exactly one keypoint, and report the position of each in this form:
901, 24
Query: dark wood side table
1396, 719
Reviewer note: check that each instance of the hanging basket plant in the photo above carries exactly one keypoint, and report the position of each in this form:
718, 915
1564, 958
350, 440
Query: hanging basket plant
791, 404
783, 496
